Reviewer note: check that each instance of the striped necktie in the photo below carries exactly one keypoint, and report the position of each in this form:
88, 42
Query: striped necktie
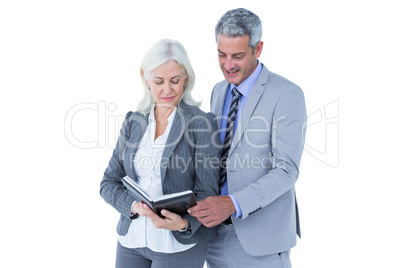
234, 106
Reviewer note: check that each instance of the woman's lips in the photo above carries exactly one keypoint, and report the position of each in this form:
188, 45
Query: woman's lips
168, 98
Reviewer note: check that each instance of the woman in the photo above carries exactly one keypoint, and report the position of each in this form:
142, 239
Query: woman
167, 146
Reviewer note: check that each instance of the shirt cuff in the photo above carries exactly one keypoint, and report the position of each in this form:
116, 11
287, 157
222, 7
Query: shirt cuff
238, 212
186, 232
135, 215
188, 227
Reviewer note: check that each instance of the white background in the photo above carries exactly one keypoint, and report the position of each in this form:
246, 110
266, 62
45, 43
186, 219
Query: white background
55, 55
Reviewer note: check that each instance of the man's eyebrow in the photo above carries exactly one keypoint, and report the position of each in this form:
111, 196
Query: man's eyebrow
237, 54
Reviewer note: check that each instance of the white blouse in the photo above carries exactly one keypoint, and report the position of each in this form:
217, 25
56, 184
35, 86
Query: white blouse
142, 232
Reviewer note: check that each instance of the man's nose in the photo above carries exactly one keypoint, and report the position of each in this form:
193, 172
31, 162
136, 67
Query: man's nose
229, 64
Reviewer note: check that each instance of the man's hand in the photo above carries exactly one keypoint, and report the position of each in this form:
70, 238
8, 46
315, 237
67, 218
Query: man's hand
213, 210
172, 221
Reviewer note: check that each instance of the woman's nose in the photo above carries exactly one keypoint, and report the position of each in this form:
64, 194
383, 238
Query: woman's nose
167, 89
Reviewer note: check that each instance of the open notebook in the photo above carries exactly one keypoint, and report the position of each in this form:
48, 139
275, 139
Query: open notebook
178, 203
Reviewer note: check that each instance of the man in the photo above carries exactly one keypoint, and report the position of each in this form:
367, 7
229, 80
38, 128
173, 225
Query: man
261, 116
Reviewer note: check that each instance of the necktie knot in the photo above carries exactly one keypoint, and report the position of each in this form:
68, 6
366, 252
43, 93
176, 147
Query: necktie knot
236, 93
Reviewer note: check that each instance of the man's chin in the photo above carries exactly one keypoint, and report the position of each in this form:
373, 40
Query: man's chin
232, 80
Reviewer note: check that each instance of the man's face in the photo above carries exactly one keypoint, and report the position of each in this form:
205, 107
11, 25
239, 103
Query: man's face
236, 57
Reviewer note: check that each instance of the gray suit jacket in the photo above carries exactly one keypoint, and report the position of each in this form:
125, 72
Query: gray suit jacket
189, 162
263, 162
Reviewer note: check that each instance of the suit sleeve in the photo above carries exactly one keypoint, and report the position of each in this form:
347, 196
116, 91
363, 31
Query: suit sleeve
211, 101
207, 152
111, 187
287, 143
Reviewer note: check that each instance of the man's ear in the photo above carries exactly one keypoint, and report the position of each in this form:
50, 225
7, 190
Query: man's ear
258, 49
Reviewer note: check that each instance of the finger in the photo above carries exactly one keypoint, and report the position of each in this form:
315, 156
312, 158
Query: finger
193, 209
211, 224
195, 205
200, 213
210, 221
197, 208
148, 211
156, 220
207, 222
169, 215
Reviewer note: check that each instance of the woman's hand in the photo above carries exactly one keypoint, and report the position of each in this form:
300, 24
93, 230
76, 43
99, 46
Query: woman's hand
172, 221
138, 208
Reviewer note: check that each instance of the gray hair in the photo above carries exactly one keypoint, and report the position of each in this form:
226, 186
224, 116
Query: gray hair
160, 53
239, 22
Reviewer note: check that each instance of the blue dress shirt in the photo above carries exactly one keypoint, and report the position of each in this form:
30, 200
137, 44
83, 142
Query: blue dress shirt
244, 88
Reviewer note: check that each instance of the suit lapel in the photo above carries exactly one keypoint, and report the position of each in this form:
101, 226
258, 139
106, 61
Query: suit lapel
249, 107
219, 101
177, 130
137, 132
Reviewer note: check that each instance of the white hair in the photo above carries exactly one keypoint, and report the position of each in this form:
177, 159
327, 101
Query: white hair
160, 53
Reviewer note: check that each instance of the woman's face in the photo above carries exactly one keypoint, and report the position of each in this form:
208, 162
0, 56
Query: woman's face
167, 84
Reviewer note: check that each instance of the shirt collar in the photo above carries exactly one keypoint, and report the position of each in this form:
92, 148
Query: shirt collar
152, 115
245, 87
